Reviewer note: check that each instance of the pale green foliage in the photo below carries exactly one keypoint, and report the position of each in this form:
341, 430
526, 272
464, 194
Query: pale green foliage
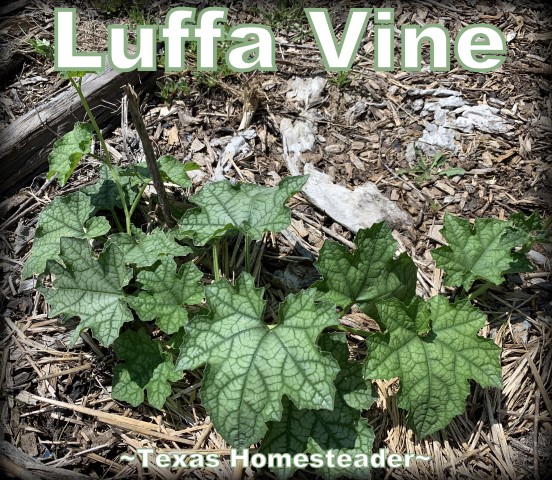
147, 368
527, 231
103, 194
245, 207
530, 229
291, 383
367, 275
89, 288
433, 369
42, 47
250, 367
164, 293
96, 227
63, 217
317, 431
143, 250
479, 252
174, 171
425, 168
68, 150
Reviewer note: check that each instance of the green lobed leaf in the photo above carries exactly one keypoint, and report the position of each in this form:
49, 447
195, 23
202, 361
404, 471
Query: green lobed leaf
164, 293
89, 288
249, 208
479, 252
68, 150
250, 366
341, 430
527, 224
67, 74
96, 227
367, 275
147, 368
529, 230
63, 217
174, 171
171, 169
104, 194
433, 369
363, 443
143, 250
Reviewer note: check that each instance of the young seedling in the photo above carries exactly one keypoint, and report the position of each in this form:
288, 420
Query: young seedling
42, 47
426, 168
288, 16
341, 80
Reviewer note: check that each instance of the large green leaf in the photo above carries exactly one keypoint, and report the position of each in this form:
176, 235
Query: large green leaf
164, 293
68, 150
63, 217
143, 250
104, 194
147, 368
245, 207
434, 368
479, 252
367, 275
341, 430
89, 288
250, 366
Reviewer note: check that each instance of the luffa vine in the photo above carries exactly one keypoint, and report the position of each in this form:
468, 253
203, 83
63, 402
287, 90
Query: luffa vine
264, 377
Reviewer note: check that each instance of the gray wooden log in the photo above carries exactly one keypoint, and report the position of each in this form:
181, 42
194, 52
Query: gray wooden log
25, 143
11, 61
20, 465
13, 6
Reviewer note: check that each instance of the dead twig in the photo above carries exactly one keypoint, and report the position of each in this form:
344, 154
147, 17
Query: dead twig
134, 109
119, 421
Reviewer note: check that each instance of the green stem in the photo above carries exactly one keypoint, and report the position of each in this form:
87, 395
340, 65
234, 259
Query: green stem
355, 331
137, 199
247, 241
345, 310
107, 157
216, 261
482, 289
119, 226
225, 257
97, 157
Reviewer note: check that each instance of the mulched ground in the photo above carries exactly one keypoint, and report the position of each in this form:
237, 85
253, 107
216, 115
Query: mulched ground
192, 116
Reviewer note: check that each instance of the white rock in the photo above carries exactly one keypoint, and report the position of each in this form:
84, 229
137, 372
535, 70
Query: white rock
485, 119
435, 138
354, 209
306, 90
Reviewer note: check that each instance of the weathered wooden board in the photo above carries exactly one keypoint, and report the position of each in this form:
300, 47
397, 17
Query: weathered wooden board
25, 143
